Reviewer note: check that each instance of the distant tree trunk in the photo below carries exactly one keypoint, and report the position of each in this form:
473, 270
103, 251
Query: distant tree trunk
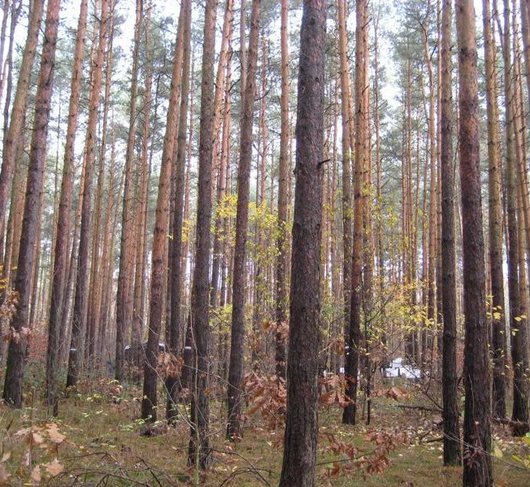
160, 244
141, 208
96, 283
222, 89
362, 148
525, 34
495, 219
448, 296
77, 345
177, 224
59, 278
14, 373
14, 132
301, 428
199, 450
477, 434
16, 8
515, 299
124, 296
283, 202
347, 153
235, 370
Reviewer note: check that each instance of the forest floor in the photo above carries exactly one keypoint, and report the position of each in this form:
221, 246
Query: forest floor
96, 441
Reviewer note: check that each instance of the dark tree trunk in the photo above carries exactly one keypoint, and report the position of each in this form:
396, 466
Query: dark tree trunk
498, 344
362, 147
176, 244
477, 434
60, 277
159, 253
235, 369
14, 132
124, 295
283, 202
301, 428
199, 450
16, 356
449, 371
77, 345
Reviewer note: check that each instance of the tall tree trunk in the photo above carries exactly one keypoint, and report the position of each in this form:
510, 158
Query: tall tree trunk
14, 132
347, 153
235, 370
362, 148
63, 220
124, 297
477, 434
495, 218
77, 345
160, 245
448, 296
283, 202
301, 428
177, 224
14, 373
518, 346
222, 88
199, 450
141, 207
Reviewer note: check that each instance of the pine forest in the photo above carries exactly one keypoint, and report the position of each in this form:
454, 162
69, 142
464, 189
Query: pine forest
264, 243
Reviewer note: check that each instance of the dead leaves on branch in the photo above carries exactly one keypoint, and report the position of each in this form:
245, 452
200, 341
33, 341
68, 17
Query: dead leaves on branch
169, 365
351, 459
267, 397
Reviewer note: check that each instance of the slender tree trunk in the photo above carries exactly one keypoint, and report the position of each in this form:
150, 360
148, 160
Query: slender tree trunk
235, 370
222, 88
448, 296
59, 279
177, 224
14, 132
362, 148
199, 452
495, 219
160, 245
477, 434
141, 209
301, 428
77, 345
14, 373
347, 153
283, 202
124, 297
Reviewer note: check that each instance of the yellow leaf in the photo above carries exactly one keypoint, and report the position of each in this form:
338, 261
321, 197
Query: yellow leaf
497, 452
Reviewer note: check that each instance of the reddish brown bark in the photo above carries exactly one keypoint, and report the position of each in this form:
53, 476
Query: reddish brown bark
199, 452
235, 370
63, 220
477, 434
14, 373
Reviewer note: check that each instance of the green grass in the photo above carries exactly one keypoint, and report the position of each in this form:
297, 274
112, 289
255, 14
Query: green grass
103, 446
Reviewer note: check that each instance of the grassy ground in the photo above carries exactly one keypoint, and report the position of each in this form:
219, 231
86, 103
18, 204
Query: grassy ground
102, 446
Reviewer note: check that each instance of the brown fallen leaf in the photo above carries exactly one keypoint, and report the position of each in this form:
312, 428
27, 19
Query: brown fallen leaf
35, 475
54, 468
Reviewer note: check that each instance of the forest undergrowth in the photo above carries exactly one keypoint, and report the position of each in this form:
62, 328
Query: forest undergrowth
99, 440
